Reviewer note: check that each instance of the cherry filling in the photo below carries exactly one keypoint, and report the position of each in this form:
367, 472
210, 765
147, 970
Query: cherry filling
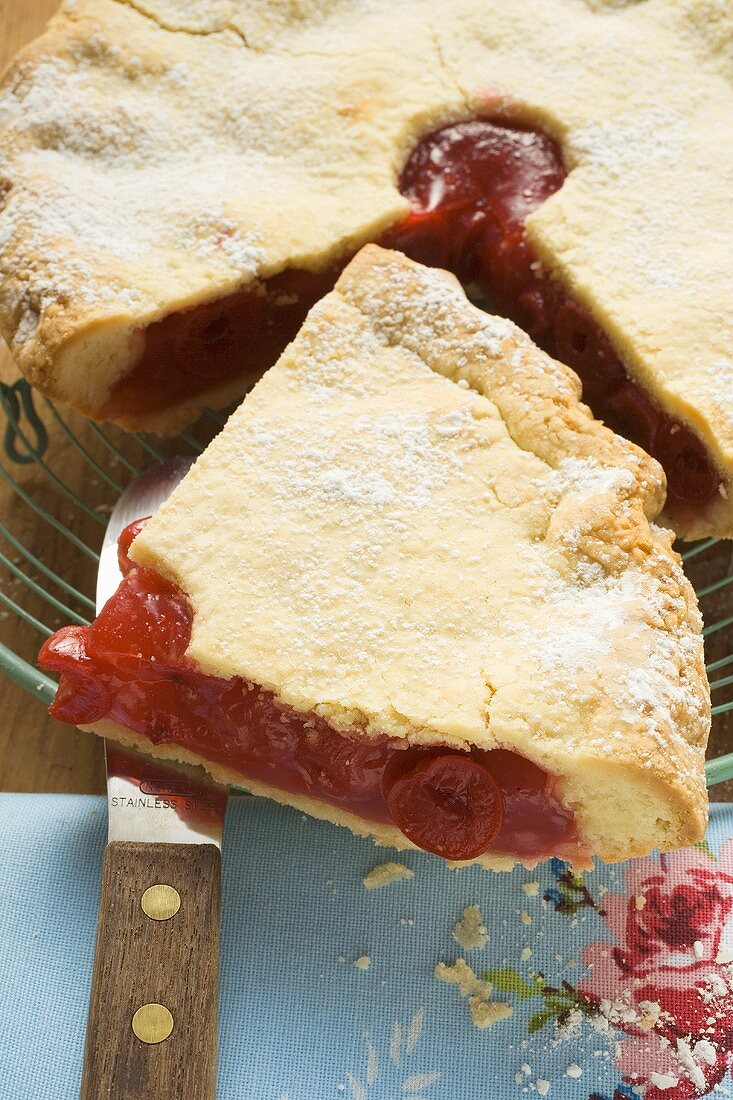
188, 352
130, 666
471, 186
450, 804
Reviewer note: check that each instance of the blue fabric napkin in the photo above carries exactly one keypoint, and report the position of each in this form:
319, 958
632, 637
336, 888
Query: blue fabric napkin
608, 987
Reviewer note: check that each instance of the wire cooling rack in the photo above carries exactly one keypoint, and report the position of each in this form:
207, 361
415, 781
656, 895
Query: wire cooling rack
64, 473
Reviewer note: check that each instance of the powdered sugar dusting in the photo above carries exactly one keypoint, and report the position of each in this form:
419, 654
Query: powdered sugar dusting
587, 475
109, 195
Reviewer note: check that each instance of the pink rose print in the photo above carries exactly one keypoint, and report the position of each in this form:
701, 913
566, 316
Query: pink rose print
654, 1054
665, 979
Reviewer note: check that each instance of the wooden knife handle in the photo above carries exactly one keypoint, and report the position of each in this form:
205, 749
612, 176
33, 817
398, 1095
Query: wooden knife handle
146, 961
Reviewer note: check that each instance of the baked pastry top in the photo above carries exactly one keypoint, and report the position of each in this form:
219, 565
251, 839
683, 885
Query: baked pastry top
158, 156
413, 530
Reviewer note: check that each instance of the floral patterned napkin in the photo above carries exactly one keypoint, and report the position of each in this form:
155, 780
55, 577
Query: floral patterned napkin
615, 985
660, 971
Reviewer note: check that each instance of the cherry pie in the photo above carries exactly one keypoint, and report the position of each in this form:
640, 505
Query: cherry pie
182, 181
414, 588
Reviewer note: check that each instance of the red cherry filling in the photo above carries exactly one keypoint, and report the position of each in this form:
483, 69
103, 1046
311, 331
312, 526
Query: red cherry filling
628, 406
690, 475
124, 543
148, 620
448, 804
130, 666
242, 334
579, 342
82, 696
471, 186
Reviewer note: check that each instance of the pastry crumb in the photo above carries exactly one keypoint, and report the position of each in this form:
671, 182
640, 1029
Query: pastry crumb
461, 974
488, 1013
470, 931
542, 1086
477, 991
363, 962
531, 889
573, 1070
385, 873
525, 917
649, 1013
640, 901
526, 954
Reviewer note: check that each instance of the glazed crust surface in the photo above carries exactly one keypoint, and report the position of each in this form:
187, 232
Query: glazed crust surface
135, 181
413, 527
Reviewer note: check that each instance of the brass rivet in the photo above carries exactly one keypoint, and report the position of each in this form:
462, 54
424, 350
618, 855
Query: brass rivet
152, 1023
160, 902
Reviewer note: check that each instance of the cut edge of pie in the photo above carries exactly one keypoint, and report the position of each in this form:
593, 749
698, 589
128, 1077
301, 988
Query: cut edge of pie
577, 615
383, 834
687, 816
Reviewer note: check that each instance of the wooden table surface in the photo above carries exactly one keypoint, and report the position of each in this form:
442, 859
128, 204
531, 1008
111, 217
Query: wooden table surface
36, 753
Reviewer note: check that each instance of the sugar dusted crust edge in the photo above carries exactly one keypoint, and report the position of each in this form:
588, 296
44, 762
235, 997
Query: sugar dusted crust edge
541, 406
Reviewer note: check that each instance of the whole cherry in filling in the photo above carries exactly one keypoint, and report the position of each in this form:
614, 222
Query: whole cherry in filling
450, 804
130, 666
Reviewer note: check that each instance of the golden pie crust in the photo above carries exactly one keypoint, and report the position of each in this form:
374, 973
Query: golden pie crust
412, 527
159, 154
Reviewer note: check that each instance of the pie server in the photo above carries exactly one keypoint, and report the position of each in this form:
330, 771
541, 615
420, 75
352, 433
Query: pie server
152, 1028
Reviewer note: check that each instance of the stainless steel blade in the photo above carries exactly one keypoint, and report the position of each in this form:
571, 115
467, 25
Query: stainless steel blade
148, 800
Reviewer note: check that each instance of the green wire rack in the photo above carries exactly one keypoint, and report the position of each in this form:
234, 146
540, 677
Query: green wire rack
51, 510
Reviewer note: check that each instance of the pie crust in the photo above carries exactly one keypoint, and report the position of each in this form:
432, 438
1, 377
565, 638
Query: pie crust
412, 528
157, 155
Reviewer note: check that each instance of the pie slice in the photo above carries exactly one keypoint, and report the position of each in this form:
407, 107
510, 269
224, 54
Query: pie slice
414, 588
180, 183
